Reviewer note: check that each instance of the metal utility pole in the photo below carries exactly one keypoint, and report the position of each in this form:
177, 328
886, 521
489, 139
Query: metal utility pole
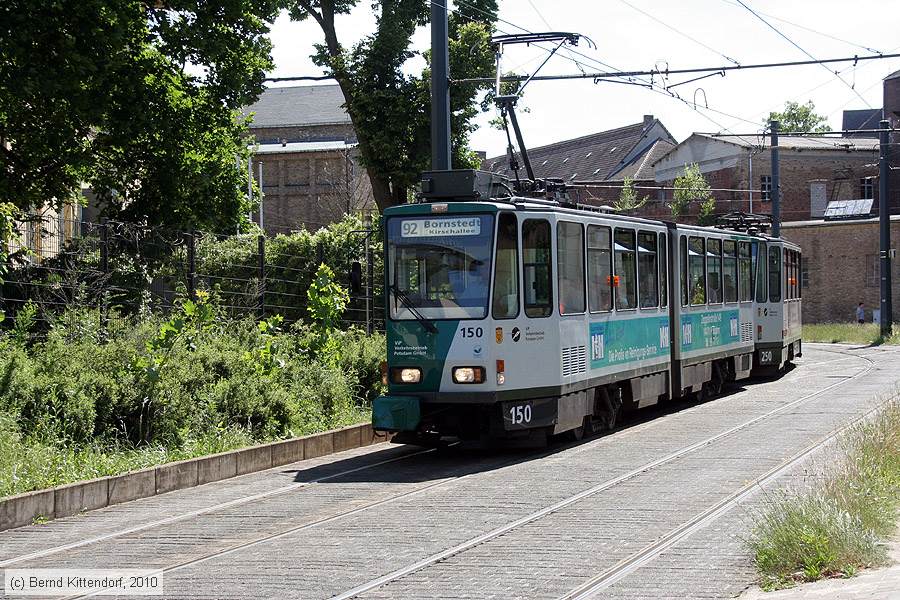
776, 182
884, 213
261, 197
440, 89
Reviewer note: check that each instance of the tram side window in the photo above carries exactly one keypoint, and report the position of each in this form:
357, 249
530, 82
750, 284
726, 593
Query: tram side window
774, 274
761, 261
663, 271
714, 270
697, 270
505, 304
745, 275
648, 269
599, 269
685, 299
570, 267
538, 284
788, 270
626, 275
730, 270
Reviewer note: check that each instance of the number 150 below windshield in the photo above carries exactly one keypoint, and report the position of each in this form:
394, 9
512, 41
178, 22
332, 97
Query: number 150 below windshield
439, 267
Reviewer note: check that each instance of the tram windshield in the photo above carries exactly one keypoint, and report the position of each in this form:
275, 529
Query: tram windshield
439, 267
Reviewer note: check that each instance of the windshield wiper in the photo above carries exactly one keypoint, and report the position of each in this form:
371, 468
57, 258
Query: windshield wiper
405, 301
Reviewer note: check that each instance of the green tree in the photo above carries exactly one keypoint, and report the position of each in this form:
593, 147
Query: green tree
628, 197
799, 117
138, 99
390, 110
692, 186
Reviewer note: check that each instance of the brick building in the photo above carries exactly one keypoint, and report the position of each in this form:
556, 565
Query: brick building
841, 267
603, 159
814, 171
307, 147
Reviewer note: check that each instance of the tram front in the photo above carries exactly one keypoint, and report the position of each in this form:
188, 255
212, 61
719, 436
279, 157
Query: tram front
441, 258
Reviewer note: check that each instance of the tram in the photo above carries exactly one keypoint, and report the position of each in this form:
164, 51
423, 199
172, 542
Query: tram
519, 318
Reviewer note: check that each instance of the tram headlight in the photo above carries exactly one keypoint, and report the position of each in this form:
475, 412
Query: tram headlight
406, 375
468, 375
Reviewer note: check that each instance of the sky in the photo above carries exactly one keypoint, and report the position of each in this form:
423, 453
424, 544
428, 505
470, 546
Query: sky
650, 34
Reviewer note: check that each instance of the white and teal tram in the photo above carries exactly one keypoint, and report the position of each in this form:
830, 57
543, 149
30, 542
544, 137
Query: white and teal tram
519, 318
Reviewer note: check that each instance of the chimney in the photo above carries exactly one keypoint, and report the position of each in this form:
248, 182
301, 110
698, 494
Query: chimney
648, 120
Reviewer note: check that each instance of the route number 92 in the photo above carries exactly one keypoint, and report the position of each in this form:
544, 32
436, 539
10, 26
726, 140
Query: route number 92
521, 414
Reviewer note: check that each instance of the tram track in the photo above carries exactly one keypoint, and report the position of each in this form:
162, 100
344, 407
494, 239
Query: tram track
420, 490
530, 518
635, 561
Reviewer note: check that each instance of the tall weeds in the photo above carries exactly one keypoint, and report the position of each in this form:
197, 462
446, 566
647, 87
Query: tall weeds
833, 526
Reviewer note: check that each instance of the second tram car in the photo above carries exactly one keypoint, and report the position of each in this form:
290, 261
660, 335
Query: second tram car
519, 318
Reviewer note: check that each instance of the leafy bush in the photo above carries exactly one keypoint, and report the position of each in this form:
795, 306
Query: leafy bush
92, 397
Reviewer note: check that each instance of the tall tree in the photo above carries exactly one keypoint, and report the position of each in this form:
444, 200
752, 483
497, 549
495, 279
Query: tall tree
391, 110
138, 99
799, 117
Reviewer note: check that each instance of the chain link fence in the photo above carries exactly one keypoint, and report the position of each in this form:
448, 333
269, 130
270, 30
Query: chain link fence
126, 269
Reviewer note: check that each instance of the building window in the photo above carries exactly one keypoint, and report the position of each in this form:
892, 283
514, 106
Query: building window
873, 271
804, 273
765, 188
866, 188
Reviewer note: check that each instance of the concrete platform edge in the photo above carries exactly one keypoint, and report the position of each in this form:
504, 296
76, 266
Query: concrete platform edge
73, 498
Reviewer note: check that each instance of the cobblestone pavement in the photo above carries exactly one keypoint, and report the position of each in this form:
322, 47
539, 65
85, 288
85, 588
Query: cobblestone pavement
314, 533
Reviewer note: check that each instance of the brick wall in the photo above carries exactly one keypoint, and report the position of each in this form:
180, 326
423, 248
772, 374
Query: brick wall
840, 171
311, 188
306, 133
842, 266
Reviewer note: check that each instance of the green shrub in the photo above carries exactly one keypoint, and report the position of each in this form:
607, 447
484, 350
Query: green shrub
90, 398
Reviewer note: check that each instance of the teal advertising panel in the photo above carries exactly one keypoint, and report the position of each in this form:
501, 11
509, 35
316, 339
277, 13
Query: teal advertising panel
618, 342
709, 329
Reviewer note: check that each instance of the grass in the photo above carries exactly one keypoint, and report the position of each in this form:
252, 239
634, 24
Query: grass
833, 527
851, 333
28, 463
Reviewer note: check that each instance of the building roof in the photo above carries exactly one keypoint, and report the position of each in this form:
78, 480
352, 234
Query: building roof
299, 106
893, 75
296, 147
789, 142
592, 157
643, 168
867, 118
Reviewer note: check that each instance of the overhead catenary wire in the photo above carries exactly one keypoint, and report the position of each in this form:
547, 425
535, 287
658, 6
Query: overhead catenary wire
800, 48
678, 31
634, 80
811, 30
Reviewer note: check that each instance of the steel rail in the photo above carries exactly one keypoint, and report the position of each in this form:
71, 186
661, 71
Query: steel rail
199, 512
627, 566
471, 543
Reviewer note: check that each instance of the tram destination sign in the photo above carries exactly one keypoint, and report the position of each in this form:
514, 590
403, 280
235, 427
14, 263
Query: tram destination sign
440, 227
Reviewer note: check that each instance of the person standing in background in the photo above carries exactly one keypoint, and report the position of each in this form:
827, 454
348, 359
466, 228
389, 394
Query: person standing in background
860, 314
